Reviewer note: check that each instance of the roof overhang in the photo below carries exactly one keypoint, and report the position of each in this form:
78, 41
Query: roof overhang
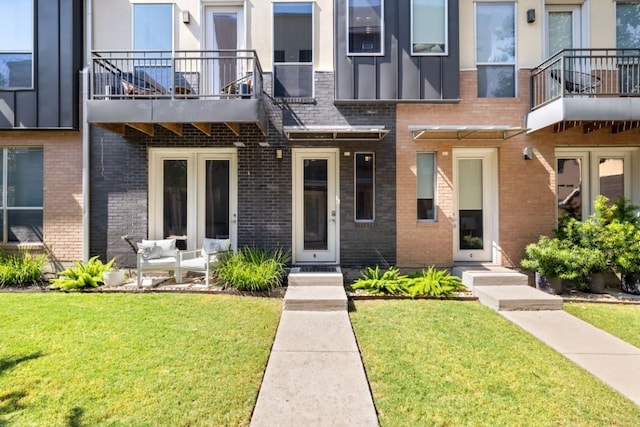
498, 132
335, 133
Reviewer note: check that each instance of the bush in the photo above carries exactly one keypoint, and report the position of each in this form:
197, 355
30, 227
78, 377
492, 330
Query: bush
374, 282
252, 269
82, 276
21, 270
432, 282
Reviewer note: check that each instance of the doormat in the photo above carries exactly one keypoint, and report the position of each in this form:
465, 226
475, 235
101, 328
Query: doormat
318, 269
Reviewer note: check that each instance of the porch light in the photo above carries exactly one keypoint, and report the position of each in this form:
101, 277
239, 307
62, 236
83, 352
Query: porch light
264, 144
239, 144
186, 17
527, 152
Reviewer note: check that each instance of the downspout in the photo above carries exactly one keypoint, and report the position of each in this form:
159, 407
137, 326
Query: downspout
86, 76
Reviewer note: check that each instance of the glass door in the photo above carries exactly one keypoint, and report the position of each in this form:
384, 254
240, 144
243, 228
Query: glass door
225, 35
315, 205
475, 214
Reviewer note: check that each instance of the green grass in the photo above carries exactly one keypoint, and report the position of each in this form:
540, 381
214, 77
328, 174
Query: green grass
452, 363
132, 360
620, 320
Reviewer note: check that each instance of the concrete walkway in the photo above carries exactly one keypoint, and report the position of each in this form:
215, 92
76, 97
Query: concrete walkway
606, 357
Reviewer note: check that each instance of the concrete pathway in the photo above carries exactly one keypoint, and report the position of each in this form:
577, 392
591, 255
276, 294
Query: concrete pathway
606, 357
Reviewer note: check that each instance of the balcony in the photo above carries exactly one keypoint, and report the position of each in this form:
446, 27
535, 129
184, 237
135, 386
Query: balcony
591, 88
170, 89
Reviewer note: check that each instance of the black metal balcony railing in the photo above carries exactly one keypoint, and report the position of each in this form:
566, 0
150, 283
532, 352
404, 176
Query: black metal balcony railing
586, 72
216, 74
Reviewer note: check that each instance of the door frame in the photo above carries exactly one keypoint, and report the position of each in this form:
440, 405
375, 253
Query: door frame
332, 255
580, 34
195, 158
490, 218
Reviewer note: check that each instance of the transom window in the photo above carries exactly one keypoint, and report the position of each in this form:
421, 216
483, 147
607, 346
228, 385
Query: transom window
293, 50
364, 185
16, 44
496, 50
365, 21
429, 27
426, 179
21, 172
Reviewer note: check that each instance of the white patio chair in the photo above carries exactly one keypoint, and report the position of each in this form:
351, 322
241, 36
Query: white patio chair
158, 255
200, 260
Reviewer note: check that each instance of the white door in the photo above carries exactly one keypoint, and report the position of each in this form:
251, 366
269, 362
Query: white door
315, 205
563, 28
193, 193
224, 35
475, 218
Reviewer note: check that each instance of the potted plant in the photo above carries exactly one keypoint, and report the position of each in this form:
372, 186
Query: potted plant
544, 258
113, 276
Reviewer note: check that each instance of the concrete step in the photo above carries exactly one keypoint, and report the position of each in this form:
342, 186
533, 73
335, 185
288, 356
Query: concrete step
325, 278
479, 275
511, 298
315, 298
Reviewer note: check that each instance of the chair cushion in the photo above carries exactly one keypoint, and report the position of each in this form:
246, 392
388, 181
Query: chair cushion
161, 248
211, 246
149, 250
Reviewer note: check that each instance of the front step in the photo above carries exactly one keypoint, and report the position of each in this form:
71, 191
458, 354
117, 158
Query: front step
297, 278
481, 275
511, 298
315, 298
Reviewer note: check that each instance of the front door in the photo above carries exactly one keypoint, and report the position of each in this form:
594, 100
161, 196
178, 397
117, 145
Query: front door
193, 193
475, 204
225, 35
315, 205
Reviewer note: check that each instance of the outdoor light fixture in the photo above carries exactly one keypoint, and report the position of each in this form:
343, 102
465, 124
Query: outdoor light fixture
264, 144
278, 154
527, 152
531, 16
186, 17
239, 144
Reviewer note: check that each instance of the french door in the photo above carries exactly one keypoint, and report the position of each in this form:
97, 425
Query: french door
315, 205
475, 204
193, 193
224, 35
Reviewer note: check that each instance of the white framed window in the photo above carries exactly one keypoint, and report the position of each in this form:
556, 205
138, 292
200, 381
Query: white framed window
628, 37
429, 27
365, 27
426, 186
293, 50
365, 186
496, 49
16, 44
22, 175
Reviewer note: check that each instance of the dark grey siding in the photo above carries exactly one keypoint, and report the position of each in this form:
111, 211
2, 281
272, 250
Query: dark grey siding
397, 75
54, 100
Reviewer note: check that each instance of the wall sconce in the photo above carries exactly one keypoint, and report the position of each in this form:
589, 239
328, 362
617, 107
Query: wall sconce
531, 16
264, 144
527, 152
186, 17
278, 154
239, 144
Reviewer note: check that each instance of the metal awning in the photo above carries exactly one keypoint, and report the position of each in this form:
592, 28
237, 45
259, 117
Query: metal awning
335, 133
423, 133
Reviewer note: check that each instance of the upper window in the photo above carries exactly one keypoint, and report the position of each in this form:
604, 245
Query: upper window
152, 40
293, 49
429, 27
16, 44
365, 22
496, 50
627, 25
426, 171
21, 178
364, 176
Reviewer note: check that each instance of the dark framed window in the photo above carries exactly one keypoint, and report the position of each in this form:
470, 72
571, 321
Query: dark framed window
293, 50
365, 186
429, 27
365, 27
426, 180
16, 44
22, 182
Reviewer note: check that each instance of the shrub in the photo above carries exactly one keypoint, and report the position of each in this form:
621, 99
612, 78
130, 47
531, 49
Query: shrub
252, 269
82, 276
21, 270
373, 281
434, 283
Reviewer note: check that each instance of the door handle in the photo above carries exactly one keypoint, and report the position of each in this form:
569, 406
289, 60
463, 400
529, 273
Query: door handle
333, 215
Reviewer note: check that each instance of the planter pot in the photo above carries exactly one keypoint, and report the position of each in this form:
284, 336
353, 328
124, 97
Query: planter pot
631, 283
113, 278
550, 285
597, 283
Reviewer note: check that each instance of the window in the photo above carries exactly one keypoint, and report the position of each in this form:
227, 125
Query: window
365, 23
16, 44
21, 170
365, 181
495, 50
153, 40
293, 50
628, 36
426, 186
429, 27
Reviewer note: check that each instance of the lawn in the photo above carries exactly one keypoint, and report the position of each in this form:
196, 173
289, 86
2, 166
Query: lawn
453, 363
618, 319
132, 360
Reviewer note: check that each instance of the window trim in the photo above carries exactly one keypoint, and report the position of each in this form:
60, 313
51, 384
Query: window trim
513, 64
355, 187
446, 33
32, 53
435, 187
382, 34
313, 50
